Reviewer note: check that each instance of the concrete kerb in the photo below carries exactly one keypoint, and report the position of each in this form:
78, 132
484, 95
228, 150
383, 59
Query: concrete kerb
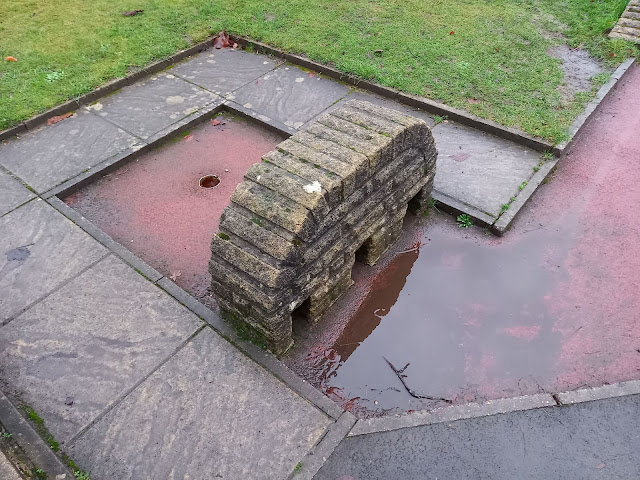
505, 220
29, 440
599, 393
455, 207
493, 407
452, 413
313, 461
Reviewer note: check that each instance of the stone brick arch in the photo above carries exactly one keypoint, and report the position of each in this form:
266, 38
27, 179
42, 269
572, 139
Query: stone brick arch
295, 223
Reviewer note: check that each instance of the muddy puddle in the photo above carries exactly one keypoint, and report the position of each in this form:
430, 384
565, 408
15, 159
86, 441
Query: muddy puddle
461, 315
578, 68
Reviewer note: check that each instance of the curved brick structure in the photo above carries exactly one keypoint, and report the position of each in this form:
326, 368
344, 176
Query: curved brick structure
296, 224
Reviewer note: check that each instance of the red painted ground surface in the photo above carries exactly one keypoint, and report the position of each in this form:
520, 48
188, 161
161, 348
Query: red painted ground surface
553, 306
155, 207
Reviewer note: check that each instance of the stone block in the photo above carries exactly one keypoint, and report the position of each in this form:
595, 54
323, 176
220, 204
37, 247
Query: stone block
341, 186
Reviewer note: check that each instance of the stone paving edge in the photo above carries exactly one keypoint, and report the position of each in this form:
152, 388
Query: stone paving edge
599, 393
493, 407
27, 438
504, 221
313, 461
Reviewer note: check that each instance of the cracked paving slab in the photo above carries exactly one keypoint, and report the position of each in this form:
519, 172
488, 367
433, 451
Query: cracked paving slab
78, 351
49, 155
39, 250
209, 412
154, 104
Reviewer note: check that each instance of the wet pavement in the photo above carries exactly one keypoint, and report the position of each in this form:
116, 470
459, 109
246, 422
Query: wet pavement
589, 441
156, 207
550, 307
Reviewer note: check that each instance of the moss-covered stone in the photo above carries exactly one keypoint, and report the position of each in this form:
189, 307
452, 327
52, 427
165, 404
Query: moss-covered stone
341, 186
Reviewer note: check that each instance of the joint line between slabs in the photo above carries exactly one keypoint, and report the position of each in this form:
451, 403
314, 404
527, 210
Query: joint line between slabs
130, 390
90, 110
55, 289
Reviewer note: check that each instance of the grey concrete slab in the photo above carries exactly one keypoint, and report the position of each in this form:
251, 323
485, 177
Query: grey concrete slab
480, 169
7, 472
51, 154
39, 250
153, 104
88, 344
290, 95
378, 100
595, 440
209, 412
12, 193
222, 71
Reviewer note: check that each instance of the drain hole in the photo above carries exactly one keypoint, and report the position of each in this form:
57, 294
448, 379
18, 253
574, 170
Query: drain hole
209, 181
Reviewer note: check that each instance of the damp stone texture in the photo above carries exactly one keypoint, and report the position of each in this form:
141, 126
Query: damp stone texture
332, 194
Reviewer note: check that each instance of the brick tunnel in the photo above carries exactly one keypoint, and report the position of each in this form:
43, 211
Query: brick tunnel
333, 193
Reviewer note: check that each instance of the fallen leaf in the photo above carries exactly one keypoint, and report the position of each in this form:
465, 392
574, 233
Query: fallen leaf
132, 13
221, 40
174, 276
473, 100
188, 137
215, 122
452, 32
311, 74
11, 59
58, 118
612, 54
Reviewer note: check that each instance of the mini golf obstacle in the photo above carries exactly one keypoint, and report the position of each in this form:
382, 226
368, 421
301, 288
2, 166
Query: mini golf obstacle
327, 196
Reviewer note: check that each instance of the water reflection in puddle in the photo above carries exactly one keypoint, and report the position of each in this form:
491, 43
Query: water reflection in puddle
466, 313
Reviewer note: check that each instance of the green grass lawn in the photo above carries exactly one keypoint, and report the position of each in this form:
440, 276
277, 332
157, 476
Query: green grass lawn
485, 56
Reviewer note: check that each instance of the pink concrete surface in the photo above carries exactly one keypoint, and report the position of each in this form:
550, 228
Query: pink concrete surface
552, 306
155, 207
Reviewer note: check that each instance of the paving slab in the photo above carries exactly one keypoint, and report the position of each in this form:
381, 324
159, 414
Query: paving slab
480, 169
290, 95
595, 440
378, 100
86, 345
153, 104
7, 472
209, 412
40, 249
51, 154
12, 193
223, 71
